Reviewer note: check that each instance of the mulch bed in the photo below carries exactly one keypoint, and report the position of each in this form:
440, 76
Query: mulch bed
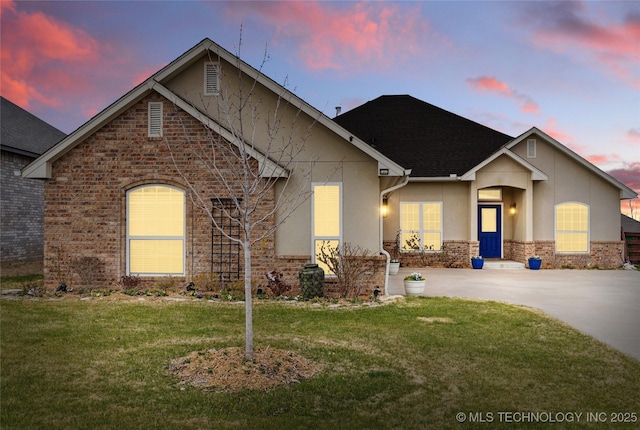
229, 370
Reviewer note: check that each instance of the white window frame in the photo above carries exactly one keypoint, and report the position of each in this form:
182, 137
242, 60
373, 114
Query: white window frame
154, 119
421, 231
315, 238
213, 75
555, 228
183, 237
531, 148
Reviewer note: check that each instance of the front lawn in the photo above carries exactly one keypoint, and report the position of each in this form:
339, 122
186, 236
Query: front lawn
418, 363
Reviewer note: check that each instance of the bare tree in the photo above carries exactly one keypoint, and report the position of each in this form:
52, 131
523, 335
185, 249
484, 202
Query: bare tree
248, 154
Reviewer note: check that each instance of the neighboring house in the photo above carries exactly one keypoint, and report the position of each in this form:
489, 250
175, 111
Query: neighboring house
631, 237
475, 191
23, 138
117, 189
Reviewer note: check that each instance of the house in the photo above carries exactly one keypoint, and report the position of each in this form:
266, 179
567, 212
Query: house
130, 189
476, 191
23, 138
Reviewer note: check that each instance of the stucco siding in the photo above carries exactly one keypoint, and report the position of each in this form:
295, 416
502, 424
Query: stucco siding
454, 197
569, 181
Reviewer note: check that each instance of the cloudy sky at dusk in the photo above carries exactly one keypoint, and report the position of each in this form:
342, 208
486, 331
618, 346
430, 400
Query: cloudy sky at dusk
571, 68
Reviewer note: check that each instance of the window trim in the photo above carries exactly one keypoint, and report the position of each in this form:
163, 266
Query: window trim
555, 228
214, 75
129, 238
154, 119
421, 231
315, 238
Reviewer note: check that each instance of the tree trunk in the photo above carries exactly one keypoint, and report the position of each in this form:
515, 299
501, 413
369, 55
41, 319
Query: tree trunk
248, 301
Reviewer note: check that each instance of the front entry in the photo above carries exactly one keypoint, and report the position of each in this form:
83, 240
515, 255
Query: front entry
490, 230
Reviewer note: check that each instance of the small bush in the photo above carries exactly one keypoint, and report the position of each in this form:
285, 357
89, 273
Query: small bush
89, 269
34, 287
206, 281
275, 283
349, 263
169, 282
128, 282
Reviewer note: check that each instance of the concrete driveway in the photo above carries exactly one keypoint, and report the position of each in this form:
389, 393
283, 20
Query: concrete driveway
604, 304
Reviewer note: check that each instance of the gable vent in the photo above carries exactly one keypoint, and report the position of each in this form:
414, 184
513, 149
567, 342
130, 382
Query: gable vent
155, 119
531, 148
211, 79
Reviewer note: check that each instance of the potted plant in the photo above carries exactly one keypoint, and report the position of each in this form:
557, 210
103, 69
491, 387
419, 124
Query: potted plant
477, 262
394, 264
414, 284
535, 262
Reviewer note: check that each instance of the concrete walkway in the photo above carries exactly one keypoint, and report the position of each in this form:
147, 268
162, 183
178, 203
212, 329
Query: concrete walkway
604, 304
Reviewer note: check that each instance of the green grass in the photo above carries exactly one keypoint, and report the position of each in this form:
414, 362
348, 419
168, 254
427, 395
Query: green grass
19, 281
103, 364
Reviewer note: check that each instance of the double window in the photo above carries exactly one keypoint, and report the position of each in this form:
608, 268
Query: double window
155, 230
327, 218
572, 227
421, 226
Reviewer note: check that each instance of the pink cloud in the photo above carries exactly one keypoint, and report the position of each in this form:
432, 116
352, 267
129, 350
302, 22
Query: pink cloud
49, 63
493, 85
552, 128
634, 135
345, 36
598, 159
567, 27
34, 42
628, 175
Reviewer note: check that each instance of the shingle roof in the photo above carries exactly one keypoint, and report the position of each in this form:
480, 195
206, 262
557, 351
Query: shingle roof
419, 136
24, 133
629, 225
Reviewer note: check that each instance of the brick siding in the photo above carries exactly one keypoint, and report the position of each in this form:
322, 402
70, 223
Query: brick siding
85, 213
21, 210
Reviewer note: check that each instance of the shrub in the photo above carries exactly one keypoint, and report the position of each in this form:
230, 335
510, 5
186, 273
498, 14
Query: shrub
89, 269
275, 283
206, 281
129, 282
348, 263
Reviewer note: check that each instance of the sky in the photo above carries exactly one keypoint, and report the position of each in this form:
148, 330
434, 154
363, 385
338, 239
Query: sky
570, 68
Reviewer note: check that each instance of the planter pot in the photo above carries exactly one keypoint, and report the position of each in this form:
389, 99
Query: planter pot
311, 281
394, 268
534, 264
477, 263
414, 288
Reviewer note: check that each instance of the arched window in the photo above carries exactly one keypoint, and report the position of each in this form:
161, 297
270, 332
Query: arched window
155, 230
572, 227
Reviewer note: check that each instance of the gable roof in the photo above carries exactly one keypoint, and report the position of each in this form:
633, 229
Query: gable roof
536, 174
431, 141
24, 133
41, 167
625, 192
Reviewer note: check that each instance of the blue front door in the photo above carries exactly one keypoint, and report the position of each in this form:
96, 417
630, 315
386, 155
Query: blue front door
490, 230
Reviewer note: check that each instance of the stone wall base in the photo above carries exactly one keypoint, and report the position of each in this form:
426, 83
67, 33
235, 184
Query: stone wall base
457, 253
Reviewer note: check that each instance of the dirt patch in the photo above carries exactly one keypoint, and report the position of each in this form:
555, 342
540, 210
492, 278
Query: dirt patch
435, 319
228, 370
21, 267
